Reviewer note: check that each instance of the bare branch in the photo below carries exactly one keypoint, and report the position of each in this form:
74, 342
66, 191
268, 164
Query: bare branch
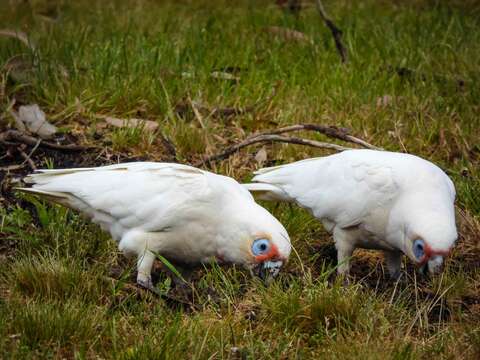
336, 32
330, 131
14, 135
269, 138
28, 158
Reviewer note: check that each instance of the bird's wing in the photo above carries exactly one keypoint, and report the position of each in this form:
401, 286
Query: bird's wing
342, 188
148, 196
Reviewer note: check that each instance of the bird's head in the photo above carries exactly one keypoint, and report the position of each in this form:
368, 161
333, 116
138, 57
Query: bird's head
430, 241
423, 225
259, 242
268, 255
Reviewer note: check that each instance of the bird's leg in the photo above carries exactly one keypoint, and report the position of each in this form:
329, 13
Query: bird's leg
345, 248
144, 270
393, 260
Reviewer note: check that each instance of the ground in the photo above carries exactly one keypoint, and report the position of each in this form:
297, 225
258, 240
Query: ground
209, 74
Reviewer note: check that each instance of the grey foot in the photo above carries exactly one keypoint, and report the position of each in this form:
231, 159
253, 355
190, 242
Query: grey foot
148, 285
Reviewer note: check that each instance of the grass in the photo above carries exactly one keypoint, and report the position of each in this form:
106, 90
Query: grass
145, 60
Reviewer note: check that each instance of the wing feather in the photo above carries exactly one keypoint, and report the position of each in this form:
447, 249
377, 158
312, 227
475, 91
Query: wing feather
148, 196
339, 188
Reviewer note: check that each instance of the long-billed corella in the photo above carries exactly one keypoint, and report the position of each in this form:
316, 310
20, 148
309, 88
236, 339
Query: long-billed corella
185, 214
395, 202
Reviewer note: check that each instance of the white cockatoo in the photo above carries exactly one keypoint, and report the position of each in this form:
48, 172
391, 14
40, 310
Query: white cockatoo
185, 214
395, 202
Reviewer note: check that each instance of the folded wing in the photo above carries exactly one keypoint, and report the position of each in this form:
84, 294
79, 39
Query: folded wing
147, 196
339, 188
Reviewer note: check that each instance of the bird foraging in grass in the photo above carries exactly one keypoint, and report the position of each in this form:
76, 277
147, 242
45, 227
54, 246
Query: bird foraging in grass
395, 202
185, 214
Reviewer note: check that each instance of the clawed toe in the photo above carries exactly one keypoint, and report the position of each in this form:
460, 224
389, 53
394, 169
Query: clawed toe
148, 285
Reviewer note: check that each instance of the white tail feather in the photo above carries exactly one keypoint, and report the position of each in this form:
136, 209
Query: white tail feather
267, 192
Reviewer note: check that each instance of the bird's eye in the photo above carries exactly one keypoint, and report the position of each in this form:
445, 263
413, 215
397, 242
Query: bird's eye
418, 248
260, 246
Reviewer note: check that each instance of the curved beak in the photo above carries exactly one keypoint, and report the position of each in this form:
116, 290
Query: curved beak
268, 270
433, 265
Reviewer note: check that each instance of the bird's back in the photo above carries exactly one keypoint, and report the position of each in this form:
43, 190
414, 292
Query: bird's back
146, 196
345, 187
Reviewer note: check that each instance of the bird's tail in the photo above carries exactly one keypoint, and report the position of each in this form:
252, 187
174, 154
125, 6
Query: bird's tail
267, 192
48, 184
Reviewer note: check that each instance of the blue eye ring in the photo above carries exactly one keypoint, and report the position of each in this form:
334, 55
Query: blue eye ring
261, 247
418, 248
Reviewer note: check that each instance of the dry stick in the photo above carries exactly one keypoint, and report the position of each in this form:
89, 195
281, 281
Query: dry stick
336, 32
27, 159
330, 131
267, 138
14, 135
12, 167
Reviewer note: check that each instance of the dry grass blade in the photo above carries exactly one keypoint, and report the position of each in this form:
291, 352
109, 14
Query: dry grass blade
269, 138
198, 116
19, 35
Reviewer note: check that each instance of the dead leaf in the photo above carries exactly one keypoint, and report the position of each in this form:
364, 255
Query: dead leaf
288, 34
224, 76
187, 75
19, 35
131, 123
33, 119
261, 156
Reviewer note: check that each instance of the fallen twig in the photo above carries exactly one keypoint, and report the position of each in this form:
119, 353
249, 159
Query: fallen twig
269, 138
28, 158
336, 32
330, 131
12, 167
274, 136
13, 135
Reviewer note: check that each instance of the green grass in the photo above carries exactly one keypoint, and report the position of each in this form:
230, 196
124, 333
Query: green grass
64, 288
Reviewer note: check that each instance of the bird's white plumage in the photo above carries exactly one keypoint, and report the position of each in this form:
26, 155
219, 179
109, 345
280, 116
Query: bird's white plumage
184, 213
370, 199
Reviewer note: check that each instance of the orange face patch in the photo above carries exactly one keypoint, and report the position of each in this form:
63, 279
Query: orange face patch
272, 254
429, 253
